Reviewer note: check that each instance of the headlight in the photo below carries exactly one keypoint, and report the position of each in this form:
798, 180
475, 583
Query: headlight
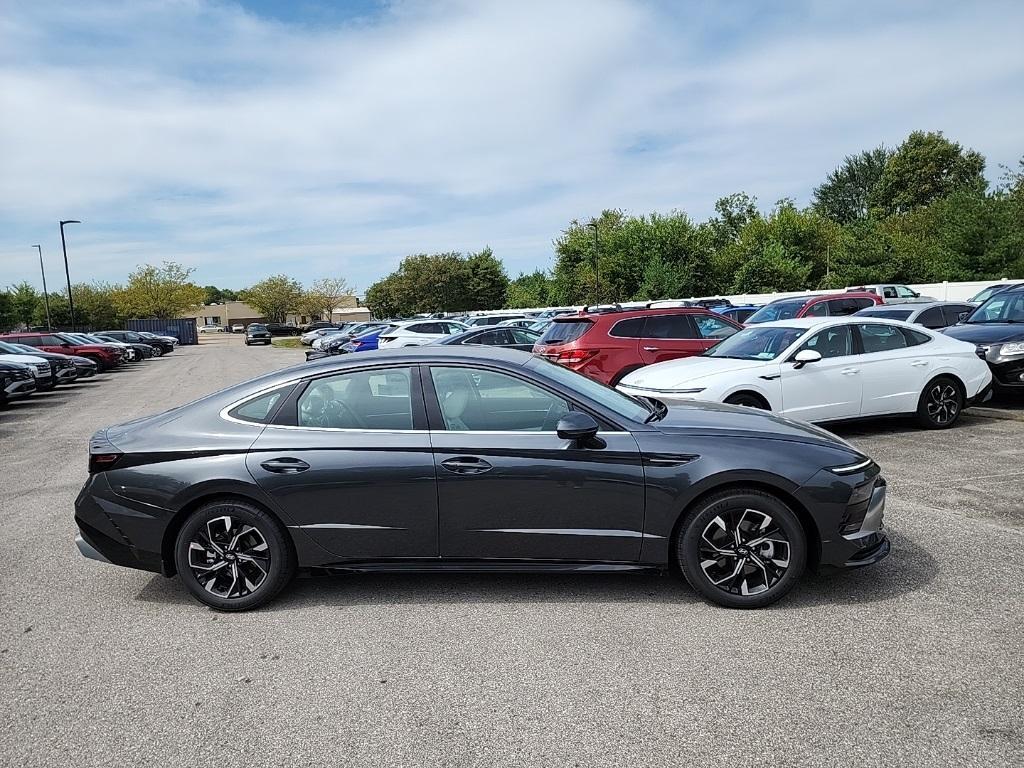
1013, 348
849, 469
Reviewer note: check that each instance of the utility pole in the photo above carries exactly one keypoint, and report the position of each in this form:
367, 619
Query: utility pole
46, 296
67, 272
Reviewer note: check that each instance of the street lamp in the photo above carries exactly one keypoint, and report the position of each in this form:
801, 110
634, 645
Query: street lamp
46, 296
597, 261
67, 273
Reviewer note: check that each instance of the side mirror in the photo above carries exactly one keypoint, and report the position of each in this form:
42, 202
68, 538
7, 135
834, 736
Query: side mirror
580, 427
805, 356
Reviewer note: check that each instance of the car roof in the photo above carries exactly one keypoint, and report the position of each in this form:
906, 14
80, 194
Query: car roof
812, 322
815, 296
627, 312
911, 306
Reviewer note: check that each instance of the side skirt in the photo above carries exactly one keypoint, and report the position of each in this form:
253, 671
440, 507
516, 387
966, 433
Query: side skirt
481, 566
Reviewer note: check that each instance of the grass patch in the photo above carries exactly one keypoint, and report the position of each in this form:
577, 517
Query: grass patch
291, 342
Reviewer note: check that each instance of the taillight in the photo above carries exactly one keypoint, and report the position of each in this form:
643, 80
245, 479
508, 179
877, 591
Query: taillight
99, 462
571, 358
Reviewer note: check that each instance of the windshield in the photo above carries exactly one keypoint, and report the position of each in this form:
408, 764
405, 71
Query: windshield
623, 405
1004, 307
756, 343
10, 348
777, 310
257, 327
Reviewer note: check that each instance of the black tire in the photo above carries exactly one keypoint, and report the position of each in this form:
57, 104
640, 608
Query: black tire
748, 399
247, 342
100, 365
260, 564
940, 404
766, 569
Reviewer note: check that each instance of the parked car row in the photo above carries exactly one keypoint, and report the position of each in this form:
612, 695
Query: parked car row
32, 361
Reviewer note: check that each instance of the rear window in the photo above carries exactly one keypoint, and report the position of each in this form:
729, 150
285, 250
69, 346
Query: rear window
562, 332
888, 314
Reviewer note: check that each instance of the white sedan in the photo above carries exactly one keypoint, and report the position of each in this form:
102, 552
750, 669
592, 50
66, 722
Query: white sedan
828, 368
414, 333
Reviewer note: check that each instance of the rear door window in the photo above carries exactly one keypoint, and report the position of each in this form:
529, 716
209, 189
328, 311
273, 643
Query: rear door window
932, 318
820, 309
632, 328
951, 312
881, 338
670, 327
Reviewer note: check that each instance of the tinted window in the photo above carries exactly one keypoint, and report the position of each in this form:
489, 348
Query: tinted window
905, 293
669, 327
951, 312
378, 399
831, 342
633, 328
427, 328
889, 292
564, 332
260, 409
915, 337
710, 327
1001, 308
843, 307
494, 337
453, 327
881, 338
49, 341
485, 401
932, 318
523, 336
820, 309
32, 341
777, 310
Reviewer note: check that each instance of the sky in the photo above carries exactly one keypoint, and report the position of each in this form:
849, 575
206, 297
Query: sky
331, 139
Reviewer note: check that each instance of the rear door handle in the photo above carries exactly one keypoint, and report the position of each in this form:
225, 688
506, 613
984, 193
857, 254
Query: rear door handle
286, 465
651, 349
466, 465
849, 371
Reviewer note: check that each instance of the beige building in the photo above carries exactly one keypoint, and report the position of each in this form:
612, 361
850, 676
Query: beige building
229, 313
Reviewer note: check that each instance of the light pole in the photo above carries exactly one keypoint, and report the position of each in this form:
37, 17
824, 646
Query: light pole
46, 296
67, 273
597, 263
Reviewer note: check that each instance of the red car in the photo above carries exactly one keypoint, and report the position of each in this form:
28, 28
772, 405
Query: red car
607, 344
104, 355
818, 305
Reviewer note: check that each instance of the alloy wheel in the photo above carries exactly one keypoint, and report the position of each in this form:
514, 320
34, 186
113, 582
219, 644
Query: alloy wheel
943, 403
744, 552
229, 557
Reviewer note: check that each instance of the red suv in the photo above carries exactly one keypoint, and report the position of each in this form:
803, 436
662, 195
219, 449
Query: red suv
818, 305
104, 355
607, 344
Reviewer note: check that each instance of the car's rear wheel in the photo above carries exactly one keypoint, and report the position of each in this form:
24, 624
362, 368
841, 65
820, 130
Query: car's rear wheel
233, 556
742, 548
940, 404
748, 399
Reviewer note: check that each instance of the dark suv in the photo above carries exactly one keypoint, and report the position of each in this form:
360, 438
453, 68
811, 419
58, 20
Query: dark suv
996, 328
256, 333
16, 380
815, 305
157, 347
607, 344
282, 329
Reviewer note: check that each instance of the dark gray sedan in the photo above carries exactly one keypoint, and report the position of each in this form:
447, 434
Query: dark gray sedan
459, 458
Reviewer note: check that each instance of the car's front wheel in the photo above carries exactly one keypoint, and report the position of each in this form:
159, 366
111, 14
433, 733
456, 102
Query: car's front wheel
157, 351
940, 404
233, 556
742, 548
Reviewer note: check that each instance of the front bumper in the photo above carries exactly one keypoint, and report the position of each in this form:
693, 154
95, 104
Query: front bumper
20, 388
67, 375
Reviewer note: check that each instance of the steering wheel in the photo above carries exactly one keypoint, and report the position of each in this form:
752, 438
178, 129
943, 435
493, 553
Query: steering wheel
339, 408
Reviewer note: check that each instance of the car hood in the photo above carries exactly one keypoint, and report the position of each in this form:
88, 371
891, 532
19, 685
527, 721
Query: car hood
986, 333
23, 359
705, 418
680, 373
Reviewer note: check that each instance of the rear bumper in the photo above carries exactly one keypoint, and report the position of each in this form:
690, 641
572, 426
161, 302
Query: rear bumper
118, 531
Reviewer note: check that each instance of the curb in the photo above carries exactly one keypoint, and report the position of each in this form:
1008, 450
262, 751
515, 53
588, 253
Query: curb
996, 413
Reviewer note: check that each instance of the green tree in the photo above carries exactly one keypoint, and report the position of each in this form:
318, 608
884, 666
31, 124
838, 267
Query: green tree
530, 290
274, 297
24, 299
486, 281
94, 306
770, 271
321, 298
8, 317
163, 291
925, 168
846, 194
215, 295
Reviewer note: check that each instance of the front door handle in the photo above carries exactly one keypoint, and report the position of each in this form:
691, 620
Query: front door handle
466, 465
651, 349
919, 363
850, 371
286, 465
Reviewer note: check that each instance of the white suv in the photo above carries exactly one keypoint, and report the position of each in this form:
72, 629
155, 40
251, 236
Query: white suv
414, 333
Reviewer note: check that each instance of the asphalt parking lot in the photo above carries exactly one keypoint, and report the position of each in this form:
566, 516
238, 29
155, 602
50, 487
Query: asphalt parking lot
916, 661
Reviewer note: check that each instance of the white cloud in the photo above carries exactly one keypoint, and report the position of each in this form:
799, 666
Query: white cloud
244, 146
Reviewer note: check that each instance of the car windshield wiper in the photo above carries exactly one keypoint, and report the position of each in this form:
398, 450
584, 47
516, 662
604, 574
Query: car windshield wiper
994, 320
